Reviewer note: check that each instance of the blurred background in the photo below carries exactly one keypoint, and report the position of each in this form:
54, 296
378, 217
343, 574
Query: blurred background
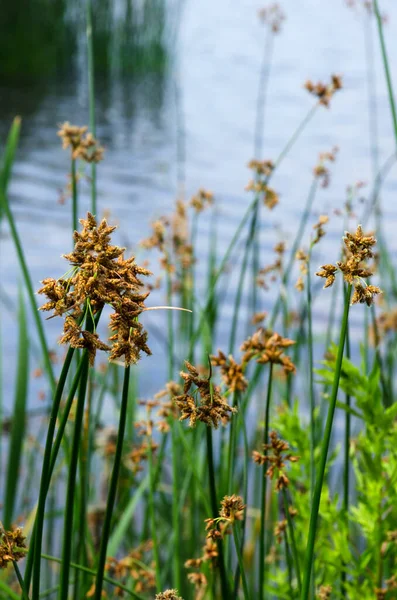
176, 107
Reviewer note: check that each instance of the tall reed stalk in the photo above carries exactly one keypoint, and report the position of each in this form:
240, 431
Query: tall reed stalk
263, 506
324, 452
112, 487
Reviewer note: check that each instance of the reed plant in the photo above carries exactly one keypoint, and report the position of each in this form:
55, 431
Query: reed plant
226, 483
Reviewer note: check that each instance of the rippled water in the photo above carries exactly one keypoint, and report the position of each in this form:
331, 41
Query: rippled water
207, 102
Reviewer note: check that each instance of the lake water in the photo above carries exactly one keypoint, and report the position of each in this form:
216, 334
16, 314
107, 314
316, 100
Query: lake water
209, 93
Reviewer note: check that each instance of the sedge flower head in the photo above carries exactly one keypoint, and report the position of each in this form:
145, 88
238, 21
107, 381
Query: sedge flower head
82, 144
201, 400
12, 546
358, 249
99, 276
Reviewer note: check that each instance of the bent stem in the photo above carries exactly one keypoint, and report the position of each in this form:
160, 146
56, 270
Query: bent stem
112, 487
261, 570
324, 453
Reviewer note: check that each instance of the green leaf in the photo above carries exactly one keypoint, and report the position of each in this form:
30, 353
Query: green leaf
18, 418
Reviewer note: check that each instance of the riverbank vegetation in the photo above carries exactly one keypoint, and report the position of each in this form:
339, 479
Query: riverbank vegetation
262, 469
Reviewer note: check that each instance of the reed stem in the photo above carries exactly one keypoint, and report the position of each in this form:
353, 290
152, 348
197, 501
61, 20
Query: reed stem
324, 453
112, 487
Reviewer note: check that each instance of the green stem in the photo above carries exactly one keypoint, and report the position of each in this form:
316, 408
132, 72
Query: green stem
262, 545
215, 511
112, 488
324, 453
294, 548
75, 208
31, 293
152, 516
33, 560
20, 580
237, 544
387, 68
311, 378
71, 485
91, 96
346, 467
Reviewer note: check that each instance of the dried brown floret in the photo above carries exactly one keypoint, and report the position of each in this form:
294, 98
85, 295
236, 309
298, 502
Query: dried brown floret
276, 455
205, 403
100, 275
201, 200
279, 530
168, 595
324, 92
328, 272
12, 546
232, 508
83, 145
232, 372
324, 593
365, 294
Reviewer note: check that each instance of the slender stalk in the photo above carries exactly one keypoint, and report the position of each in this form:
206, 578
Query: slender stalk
241, 226
214, 506
294, 548
295, 245
152, 517
289, 564
112, 488
386, 68
30, 290
262, 566
324, 453
33, 560
311, 373
71, 485
346, 466
20, 580
75, 208
237, 544
91, 96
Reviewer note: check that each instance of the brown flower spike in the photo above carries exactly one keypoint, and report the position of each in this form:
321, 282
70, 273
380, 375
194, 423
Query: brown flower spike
358, 249
12, 546
205, 403
268, 347
99, 276
276, 455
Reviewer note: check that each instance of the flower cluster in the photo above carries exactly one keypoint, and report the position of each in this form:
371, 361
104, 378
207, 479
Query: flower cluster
231, 371
12, 546
205, 404
259, 185
321, 171
275, 268
99, 275
168, 595
272, 16
82, 144
275, 456
358, 249
133, 566
201, 200
170, 236
323, 91
232, 509
268, 347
